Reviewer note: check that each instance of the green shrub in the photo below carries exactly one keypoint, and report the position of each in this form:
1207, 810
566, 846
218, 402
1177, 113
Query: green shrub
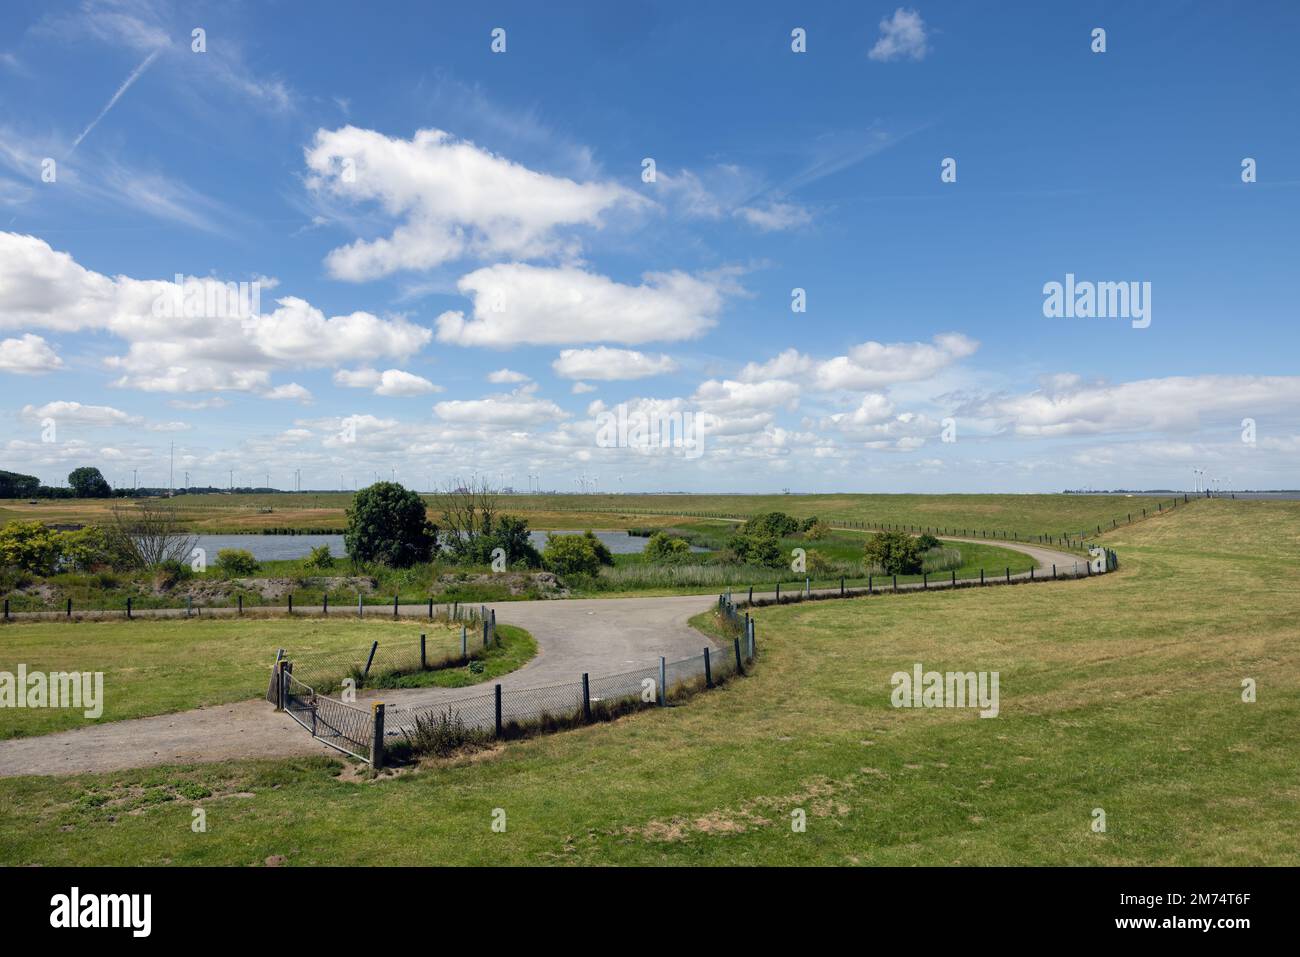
319, 557
572, 554
169, 572
30, 547
756, 549
237, 561
926, 542
815, 530
664, 549
771, 524
443, 735
893, 553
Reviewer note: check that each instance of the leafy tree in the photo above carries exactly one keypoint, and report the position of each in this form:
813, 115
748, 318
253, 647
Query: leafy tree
758, 549
237, 561
88, 482
775, 524
511, 535
926, 542
31, 547
387, 523
18, 485
894, 553
571, 554
664, 549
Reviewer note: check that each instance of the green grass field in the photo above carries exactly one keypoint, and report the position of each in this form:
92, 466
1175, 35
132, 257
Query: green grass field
1021, 514
156, 667
1121, 693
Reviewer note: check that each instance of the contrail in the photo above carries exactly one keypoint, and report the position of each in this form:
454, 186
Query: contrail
126, 85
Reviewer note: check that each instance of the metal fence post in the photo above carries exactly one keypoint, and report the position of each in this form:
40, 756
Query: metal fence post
981, 576
291, 603
663, 681
377, 736
1053, 570
751, 594
586, 698
431, 609
128, 607
464, 642
778, 593
498, 695
69, 607
325, 604
373, 648
360, 607
739, 666
1008, 574
708, 670
6, 609
423, 660
189, 605
750, 629
925, 580
870, 586
485, 632
492, 616
841, 586
394, 608
895, 583
954, 578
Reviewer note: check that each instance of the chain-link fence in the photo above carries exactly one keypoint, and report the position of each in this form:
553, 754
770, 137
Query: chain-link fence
502, 713
341, 726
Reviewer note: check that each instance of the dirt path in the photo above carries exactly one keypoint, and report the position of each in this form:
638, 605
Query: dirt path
600, 636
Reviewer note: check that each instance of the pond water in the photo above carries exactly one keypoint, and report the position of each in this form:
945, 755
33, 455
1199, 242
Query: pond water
277, 547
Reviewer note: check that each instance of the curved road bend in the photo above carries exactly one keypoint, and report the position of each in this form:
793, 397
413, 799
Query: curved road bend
600, 636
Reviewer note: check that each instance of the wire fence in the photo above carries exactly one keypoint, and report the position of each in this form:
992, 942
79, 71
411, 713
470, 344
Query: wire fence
150, 606
344, 727
502, 713
1066, 539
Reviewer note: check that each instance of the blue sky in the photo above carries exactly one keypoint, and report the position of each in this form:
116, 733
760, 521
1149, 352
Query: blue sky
462, 266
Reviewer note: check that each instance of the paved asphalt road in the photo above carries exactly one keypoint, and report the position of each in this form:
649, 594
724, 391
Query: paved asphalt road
600, 636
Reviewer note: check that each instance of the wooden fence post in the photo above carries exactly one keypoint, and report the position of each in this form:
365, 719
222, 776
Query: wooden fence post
377, 736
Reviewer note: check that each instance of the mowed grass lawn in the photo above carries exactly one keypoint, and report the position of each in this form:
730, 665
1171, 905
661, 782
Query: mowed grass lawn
1121, 693
156, 667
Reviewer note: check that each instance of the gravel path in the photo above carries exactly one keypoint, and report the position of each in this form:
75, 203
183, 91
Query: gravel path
600, 636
